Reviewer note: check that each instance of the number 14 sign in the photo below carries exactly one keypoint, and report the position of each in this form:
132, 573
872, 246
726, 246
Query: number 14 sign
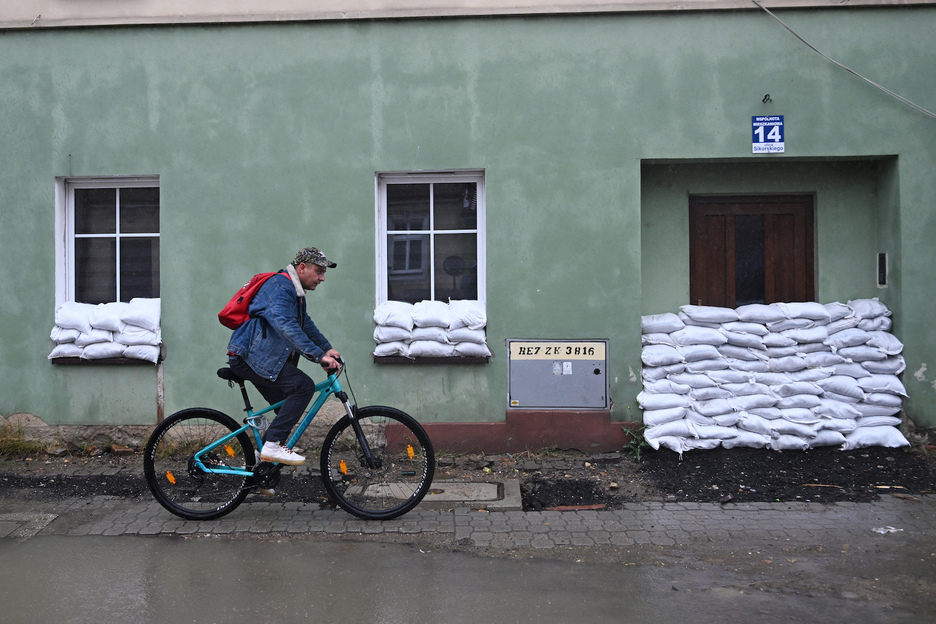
767, 134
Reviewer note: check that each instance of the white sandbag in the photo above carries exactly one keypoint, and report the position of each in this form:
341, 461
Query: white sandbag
654, 373
689, 322
760, 313
61, 335
868, 308
752, 401
843, 425
807, 310
746, 439
722, 377
430, 348
680, 428
884, 399
863, 353
108, 316
667, 386
803, 336
133, 335
714, 432
468, 313
770, 413
746, 388
653, 418
778, 352
850, 369
880, 323
142, 312
847, 338
657, 338
891, 365
743, 339
696, 353
879, 421
842, 385
650, 401
388, 349
788, 443
835, 409
698, 419
701, 444
74, 315
727, 420
707, 394
788, 324
811, 347
786, 364
434, 333
740, 327
103, 350
713, 407
863, 437
800, 401
800, 416
867, 409
828, 437
796, 388
704, 366
673, 443
824, 359
756, 424
93, 337
838, 311
431, 314
777, 339
665, 323
885, 341
660, 355
465, 334
812, 374
844, 398
691, 335
742, 353
748, 366
785, 428
391, 333
394, 314
472, 349
842, 324
66, 349
693, 380
709, 314
883, 383
142, 352
772, 379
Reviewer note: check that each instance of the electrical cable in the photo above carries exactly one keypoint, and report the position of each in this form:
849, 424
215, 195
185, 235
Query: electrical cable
896, 96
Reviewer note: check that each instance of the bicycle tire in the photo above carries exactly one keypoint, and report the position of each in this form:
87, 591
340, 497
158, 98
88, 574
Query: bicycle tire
404, 474
181, 487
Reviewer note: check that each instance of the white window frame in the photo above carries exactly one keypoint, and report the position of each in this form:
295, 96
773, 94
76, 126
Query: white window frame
65, 225
382, 179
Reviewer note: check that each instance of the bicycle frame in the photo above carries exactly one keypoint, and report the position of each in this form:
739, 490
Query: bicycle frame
323, 390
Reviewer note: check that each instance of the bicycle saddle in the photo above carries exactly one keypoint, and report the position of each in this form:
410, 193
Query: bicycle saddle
228, 375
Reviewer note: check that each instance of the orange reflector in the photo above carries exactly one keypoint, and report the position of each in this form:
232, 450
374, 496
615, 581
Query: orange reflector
171, 477
343, 467
230, 451
410, 451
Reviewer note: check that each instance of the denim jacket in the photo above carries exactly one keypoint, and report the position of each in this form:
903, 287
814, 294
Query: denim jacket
278, 326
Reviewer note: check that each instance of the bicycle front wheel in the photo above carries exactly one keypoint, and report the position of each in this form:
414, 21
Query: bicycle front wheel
182, 487
388, 478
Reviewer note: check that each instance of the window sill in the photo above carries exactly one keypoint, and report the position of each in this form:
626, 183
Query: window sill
76, 361
399, 359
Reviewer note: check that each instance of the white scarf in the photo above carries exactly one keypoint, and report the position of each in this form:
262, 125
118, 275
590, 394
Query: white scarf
291, 271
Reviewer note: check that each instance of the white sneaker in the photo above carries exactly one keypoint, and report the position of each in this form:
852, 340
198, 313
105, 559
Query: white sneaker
273, 452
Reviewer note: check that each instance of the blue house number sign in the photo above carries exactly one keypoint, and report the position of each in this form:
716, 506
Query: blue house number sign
767, 134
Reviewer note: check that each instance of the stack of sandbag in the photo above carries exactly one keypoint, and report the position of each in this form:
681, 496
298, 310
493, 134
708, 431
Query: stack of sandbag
431, 329
783, 376
107, 330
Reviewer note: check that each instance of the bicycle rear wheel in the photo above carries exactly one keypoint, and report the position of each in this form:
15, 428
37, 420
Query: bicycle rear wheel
174, 479
399, 475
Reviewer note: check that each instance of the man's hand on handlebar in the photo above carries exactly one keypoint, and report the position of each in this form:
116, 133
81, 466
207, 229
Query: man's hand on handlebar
331, 361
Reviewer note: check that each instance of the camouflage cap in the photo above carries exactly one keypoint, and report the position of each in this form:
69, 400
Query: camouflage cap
311, 255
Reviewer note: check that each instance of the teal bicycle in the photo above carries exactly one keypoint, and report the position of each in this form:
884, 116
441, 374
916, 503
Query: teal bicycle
376, 462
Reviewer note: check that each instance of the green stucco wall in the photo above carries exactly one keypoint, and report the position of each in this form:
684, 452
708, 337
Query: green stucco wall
591, 130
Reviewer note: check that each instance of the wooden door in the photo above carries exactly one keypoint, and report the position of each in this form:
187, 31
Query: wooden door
751, 249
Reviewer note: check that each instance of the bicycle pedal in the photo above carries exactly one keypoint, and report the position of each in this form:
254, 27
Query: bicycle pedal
267, 491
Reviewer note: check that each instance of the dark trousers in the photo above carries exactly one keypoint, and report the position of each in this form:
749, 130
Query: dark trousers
291, 384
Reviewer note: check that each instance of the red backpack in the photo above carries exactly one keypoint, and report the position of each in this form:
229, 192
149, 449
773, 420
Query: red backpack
236, 312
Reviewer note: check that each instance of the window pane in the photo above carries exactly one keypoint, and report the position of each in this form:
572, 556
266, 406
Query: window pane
408, 267
456, 266
95, 211
456, 206
749, 259
139, 210
95, 270
407, 207
139, 268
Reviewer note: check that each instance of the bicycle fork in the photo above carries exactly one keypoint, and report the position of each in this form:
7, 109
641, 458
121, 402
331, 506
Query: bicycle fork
351, 410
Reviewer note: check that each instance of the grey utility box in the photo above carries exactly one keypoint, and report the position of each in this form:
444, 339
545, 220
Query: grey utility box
557, 374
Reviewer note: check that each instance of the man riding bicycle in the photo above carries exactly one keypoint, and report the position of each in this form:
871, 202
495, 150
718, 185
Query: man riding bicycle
265, 350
